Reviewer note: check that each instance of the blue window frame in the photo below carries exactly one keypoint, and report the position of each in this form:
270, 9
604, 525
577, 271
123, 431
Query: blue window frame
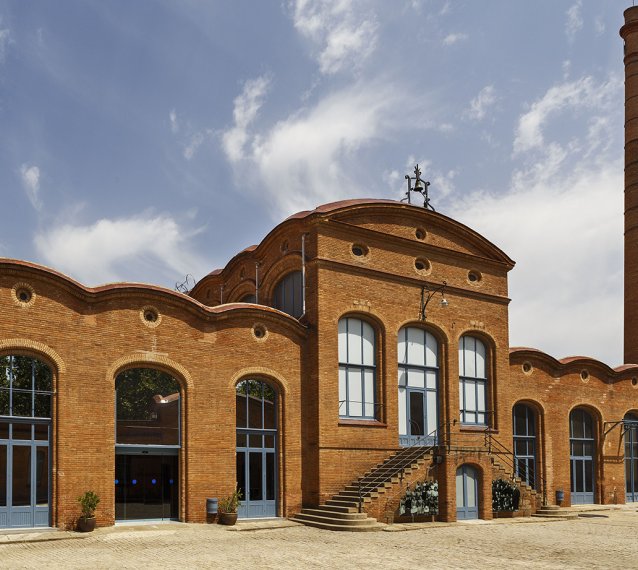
524, 421
473, 381
357, 369
582, 443
630, 425
418, 353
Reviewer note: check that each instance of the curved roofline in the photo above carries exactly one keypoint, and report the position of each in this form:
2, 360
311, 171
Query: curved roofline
569, 361
332, 208
96, 293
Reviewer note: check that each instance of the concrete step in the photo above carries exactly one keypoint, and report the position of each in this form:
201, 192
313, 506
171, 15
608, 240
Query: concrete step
323, 511
344, 503
555, 512
373, 526
339, 508
308, 517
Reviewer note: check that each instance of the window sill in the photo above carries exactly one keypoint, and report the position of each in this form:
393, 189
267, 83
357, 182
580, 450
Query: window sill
477, 427
362, 423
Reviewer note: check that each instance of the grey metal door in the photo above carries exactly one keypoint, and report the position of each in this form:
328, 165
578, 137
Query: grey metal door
631, 458
582, 453
466, 493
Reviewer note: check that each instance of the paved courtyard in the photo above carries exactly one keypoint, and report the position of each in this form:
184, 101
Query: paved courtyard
602, 539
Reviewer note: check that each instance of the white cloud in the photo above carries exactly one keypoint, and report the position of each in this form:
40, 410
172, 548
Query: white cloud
599, 26
481, 103
96, 253
307, 158
195, 141
345, 31
581, 94
5, 39
452, 39
574, 20
247, 106
31, 183
174, 122
565, 232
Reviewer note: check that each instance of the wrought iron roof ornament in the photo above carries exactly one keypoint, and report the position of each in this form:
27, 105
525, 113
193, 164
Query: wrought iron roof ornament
420, 186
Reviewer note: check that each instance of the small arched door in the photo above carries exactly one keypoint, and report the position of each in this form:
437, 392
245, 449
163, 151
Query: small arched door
582, 453
631, 458
257, 449
467, 501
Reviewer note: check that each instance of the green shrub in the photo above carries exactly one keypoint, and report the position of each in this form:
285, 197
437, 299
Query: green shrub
505, 495
89, 502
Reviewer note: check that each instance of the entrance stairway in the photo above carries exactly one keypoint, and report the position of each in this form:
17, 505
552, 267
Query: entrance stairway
554, 512
346, 510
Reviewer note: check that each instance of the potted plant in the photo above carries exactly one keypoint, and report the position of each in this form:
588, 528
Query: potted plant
505, 498
228, 507
89, 502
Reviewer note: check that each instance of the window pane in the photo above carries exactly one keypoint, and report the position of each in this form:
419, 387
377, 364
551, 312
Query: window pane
343, 341
269, 407
417, 426
42, 406
22, 405
3, 475
343, 394
576, 424
354, 341
21, 476
402, 410
241, 440
416, 378
431, 350
241, 472
470, 358
269, 441
43, 377
368, 344
430, 378
470, 395
480, 359
41, 432
270, 476
416, 346
432, 413
368, 379
4, 430
255, 440
402, 347
355, 403
589, 431
255, 470
471, 488
23, 372
403, 377
589, 476
5, 371
4, 402
42, 476
22, 431
460, 502
480, 397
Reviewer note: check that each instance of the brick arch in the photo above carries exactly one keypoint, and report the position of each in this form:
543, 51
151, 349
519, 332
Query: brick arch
534, 404
592, 410
439, 333
31, 346
369, 317
245, 287
277, 271
150, 360
260, 373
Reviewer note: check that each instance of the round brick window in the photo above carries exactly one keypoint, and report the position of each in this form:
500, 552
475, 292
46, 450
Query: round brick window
634, 382
422, 265
474, 277
23, 294
527, 367
150, 317
584, 375
420, 233
359, 250
260, 332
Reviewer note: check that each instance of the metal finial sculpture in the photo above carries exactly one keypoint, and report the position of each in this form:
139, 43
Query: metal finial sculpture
420, 186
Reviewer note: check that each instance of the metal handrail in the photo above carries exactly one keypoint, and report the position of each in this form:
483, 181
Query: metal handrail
395, 465
509, 458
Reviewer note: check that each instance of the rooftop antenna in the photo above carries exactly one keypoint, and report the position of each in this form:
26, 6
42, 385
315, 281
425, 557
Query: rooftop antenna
420, 186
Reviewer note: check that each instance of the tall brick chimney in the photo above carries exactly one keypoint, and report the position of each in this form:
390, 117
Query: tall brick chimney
629, 33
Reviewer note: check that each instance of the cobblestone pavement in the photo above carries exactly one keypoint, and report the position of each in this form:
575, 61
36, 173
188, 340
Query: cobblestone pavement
604, 539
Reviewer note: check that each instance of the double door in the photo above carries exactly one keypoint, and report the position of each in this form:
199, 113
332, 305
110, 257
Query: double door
24, 475
257, 473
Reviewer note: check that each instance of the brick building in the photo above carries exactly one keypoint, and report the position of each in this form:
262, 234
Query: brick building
365, 337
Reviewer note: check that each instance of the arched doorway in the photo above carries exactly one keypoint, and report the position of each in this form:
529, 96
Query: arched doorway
26, 387
524, 421
418, 353
257, 470
467, 500
630, 425
147, 443
582, 457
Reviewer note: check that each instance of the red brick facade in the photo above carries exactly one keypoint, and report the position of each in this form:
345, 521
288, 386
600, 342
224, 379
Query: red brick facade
366, 260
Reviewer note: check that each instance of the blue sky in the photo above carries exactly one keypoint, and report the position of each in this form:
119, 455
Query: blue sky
141, 141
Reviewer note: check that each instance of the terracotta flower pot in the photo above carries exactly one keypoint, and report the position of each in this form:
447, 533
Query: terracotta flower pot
227, 518
86, 525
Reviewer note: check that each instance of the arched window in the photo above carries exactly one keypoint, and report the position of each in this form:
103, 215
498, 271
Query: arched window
418, 353
525, 443
288, 294
249, 298
357, 370
147, 402
582, 443
472, 381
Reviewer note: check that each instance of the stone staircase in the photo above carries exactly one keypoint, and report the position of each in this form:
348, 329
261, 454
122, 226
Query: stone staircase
555, 512
529, 500
341, 512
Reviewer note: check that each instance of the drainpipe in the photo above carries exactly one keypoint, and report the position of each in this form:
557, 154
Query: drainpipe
257, 282
303, 276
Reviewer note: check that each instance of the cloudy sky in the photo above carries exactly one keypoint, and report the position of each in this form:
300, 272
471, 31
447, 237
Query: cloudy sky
142, 141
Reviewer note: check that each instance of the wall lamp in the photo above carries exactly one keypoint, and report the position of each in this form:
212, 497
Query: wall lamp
427, 292
420, 186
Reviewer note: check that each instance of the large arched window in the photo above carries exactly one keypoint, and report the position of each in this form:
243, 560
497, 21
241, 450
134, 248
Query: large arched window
630, 424
357, 370
473, 381
418, 381
288, 294
148, 408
